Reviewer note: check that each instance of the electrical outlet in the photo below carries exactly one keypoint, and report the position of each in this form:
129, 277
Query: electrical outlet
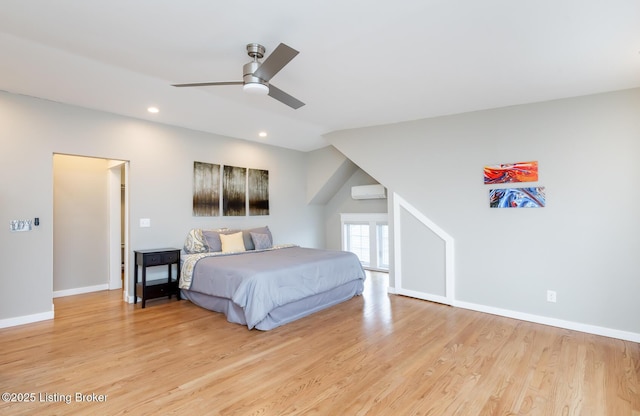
551, 296
145, 222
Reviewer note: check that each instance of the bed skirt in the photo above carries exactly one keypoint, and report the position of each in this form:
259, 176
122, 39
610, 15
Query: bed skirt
282, 314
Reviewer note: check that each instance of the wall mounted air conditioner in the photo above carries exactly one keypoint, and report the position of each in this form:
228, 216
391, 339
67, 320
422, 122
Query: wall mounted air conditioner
368, 192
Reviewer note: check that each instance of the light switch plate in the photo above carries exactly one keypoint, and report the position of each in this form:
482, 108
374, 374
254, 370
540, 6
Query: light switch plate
20, 225
145, 222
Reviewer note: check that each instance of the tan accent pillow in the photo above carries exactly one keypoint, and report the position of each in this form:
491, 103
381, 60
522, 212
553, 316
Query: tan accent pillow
232, 242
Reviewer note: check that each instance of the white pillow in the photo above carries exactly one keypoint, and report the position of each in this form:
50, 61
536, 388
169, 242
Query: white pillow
232, 242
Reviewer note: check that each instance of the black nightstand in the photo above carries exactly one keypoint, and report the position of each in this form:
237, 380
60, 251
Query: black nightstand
158, 288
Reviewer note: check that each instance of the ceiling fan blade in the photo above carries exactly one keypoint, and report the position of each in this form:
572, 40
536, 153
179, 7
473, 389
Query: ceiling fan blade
207, 84
284, 98
275, 62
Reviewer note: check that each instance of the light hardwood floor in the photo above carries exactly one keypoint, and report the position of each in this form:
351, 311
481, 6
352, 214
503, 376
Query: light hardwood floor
377, 354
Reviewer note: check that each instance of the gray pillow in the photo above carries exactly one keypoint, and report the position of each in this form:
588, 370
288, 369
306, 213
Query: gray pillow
261, 241
248, 241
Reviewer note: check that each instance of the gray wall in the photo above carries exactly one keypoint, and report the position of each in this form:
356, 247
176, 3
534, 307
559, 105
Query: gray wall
422, 257
160, 187
584, 244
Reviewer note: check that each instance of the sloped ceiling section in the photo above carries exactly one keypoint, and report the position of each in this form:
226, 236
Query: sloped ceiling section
328, 171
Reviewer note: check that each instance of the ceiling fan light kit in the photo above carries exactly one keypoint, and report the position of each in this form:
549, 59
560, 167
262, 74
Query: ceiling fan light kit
256, 75
256, 88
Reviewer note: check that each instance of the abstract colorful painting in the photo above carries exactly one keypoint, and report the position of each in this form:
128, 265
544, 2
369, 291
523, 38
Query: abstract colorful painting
258, 187
517, 197
511, 172
206, 189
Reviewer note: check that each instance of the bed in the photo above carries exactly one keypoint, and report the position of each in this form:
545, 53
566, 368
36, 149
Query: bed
261, 285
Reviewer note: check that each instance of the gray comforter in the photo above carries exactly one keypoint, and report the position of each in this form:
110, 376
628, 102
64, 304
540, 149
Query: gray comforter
260, 281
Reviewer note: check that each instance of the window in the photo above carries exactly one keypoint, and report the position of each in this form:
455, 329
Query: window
382, 235
367, 235
357, 241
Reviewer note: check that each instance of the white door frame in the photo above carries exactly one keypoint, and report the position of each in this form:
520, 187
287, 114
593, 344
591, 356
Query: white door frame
116, 217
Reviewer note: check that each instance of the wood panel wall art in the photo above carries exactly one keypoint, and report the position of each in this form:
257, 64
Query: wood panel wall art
234, 191
206, 189
229, 190
258, 188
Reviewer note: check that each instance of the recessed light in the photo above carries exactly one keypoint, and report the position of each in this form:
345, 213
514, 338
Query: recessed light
153, 110
262, 134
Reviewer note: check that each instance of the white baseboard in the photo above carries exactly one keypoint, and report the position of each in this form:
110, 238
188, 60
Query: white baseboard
80, 290
424, 296
27, 319
559, 323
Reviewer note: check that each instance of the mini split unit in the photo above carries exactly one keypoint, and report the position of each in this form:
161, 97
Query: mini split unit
368, 192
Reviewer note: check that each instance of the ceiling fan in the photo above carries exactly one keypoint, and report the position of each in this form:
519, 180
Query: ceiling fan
256, 75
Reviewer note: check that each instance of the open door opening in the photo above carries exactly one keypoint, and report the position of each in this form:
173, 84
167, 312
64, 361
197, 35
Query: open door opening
90, 224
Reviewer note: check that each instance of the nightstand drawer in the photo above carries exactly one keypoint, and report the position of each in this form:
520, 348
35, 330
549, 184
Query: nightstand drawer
156, 289
159, 258
153, 259
170, 257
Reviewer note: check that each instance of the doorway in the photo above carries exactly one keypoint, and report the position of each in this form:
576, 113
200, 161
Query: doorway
90, 233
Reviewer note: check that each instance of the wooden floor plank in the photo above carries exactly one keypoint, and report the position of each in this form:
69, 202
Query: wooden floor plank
376, 354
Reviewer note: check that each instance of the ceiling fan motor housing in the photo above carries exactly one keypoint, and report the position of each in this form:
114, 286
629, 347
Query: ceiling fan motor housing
248, 69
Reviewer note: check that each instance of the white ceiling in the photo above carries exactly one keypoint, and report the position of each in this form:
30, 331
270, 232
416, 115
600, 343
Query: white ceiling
361, 62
